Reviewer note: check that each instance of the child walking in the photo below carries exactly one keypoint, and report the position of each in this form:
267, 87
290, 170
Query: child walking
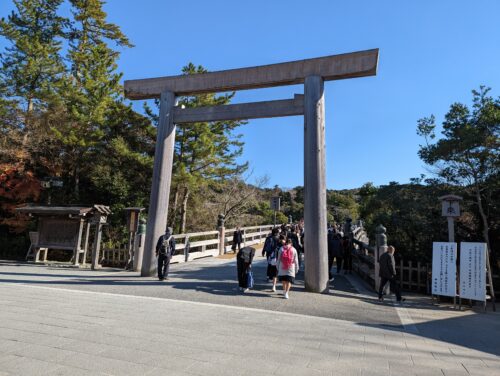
288, 266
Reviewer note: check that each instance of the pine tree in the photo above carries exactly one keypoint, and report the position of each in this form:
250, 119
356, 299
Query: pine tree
32, 65
91, 89
31, 69
468, 153
205, 153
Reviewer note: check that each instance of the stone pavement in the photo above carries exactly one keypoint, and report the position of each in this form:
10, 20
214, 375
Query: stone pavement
63, 321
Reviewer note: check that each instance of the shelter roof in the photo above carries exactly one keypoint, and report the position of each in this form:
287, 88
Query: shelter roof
63, 210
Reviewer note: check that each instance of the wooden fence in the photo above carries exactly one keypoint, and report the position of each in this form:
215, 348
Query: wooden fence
192, 246
412, 276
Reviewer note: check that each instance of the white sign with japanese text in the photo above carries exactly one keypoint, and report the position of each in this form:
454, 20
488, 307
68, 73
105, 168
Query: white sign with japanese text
444, 269
473, 271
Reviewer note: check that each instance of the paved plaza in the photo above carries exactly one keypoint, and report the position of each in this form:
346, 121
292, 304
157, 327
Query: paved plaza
57, 320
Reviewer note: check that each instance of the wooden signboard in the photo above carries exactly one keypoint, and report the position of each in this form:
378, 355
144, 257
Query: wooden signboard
450, 209
58, 233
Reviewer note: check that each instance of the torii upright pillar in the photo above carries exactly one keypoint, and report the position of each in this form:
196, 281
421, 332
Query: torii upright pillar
315, 237
162, 176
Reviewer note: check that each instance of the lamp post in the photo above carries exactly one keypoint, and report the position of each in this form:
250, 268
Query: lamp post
450, 210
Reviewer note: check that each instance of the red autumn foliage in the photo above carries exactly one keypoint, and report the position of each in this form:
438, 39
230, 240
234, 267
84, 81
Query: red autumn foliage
17, 186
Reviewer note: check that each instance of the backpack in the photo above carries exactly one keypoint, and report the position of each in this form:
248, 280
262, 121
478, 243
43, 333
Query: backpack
287, 257
268, 245
165, 246
272, 257
246, 254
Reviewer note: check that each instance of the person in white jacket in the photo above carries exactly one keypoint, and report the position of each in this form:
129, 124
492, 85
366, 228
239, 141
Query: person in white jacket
288, 266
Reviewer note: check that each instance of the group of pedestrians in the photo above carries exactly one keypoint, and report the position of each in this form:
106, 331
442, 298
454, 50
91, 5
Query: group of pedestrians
282, 249
339, 250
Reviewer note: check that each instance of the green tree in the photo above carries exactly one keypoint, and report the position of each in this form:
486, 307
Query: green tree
32, 65
31, 71
205, 152
91, 88
468, 153
342, 205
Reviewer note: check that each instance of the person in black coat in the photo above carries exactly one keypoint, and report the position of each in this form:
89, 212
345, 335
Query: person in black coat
295, 240
237, 239
338, 251
387, 273
244, 260
347, 256
271, 246
329, 238
165, 249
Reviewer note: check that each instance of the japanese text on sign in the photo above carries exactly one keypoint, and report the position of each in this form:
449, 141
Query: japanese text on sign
473, 271
444, 269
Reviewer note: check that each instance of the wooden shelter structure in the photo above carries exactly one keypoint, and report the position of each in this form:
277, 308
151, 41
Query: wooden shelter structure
310, 72
67, 228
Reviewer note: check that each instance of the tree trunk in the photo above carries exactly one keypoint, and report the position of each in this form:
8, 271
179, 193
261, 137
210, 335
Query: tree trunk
184, 211
484, 219
76, 176
27, 128
173, 210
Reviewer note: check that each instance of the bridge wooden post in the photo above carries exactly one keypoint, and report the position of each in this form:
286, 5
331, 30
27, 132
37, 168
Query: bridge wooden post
316, 266
160, 188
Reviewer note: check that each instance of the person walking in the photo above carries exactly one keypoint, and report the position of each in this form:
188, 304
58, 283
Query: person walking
165, 248
387, 273
270, 250
335, 252
295, 241
329, 238
288, 266
347, 254
244, 260
237, 239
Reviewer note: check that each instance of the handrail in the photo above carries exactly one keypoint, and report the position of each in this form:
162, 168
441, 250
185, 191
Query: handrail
189, 246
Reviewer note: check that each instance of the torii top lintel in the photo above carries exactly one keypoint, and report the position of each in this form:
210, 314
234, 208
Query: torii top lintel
334, 67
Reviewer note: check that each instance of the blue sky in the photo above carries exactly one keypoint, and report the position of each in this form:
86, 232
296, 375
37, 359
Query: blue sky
432, 53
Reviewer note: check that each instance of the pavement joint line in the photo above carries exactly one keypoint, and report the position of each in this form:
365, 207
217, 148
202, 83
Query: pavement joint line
186, 302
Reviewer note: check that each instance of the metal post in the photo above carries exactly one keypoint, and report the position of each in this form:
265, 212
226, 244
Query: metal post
316, 266
162, 175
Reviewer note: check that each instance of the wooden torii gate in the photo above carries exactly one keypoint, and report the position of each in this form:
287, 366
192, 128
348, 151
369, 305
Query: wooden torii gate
312, 73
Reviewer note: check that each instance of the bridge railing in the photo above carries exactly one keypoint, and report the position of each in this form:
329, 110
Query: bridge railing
195, 245
412, 276
363, 255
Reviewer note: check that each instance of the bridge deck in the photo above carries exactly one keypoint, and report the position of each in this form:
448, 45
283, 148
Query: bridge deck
70, 321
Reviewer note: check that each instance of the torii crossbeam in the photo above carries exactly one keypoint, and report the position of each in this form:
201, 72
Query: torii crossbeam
312, 73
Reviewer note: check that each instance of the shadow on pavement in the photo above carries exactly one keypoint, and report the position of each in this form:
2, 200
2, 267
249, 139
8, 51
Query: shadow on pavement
476, 331
202, 282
